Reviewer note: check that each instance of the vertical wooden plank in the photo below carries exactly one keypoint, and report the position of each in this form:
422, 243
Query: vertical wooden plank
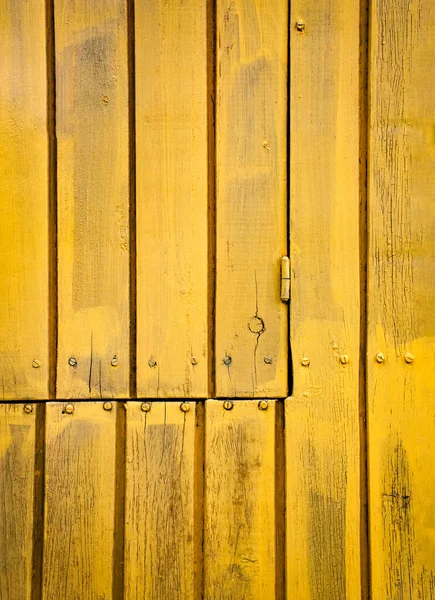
171, 179
251, 198
80, 482
17, 461
322, 416
160, 502
93, 198
239, 534
401, 299
24, 347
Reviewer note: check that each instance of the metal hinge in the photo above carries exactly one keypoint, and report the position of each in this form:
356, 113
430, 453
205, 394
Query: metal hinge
285, 279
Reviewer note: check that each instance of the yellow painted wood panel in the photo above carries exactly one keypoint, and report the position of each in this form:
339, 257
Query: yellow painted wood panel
251, 198
160, 502
93, 198
322, 415
172, 204
17, 473
239, 503
24, 233
80, 482
401, 300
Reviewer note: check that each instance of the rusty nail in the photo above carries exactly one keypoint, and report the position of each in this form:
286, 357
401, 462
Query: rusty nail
194, 360
305, 361
114, 361
36, 363
107, 406
409, 357
69, 409
380, 357
228, 405
227, 360
300, 25
185, 407
28, 408
72, 362
152, 363
263, 404
145, 406
344, 359
268, 360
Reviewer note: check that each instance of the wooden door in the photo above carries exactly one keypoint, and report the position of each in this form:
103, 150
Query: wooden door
171, 427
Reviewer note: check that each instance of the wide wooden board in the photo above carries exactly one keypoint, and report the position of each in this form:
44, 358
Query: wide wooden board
322, 415
93, 198
401, 300
160, 502
17, 476
251, 198
239, 523
24, 201
172, 204
80, 492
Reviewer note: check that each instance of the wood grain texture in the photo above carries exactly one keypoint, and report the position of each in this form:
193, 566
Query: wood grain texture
17, 462
80, 482
401, 299
160, 503
93, 197
23, 202
322, 416
239, 529
172, 205
251, 198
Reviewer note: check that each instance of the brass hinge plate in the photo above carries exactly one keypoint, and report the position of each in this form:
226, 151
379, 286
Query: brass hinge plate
285, 279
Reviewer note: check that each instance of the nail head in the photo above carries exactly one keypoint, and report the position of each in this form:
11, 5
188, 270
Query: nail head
227, 360
69, 409
263, 405
380, 357
344, 359
194, 360
152, 363
72, 362
36, 363
28, 408
145, 406
409, 357
107, 406
185, 407
268, 360
305, 361
114, 361
300, 25
228, 405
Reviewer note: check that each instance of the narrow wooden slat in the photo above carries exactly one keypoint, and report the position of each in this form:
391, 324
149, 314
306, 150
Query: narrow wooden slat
171, 179
401, 300
17, 460
322, 416
239, 531
80, 482
251, 198
24, 347
160, 509
93, 197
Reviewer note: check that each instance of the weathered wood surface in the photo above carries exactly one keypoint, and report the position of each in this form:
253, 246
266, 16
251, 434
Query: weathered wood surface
401, 300
251, 198
322, 416
172, 207
81, 489
93, 198
24, 231
239, 502
17, 478
160, 544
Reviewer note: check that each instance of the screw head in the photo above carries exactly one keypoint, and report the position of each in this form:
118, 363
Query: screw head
107, 406
227, 360
263, 405
409, 357
300, 25
145, 406
36, 363
69, 409
268, 360
380, 357
28, 408
185, 407
305, 361
152, 363
344, 359
114, 361
72, 361
194, 360
228, 405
